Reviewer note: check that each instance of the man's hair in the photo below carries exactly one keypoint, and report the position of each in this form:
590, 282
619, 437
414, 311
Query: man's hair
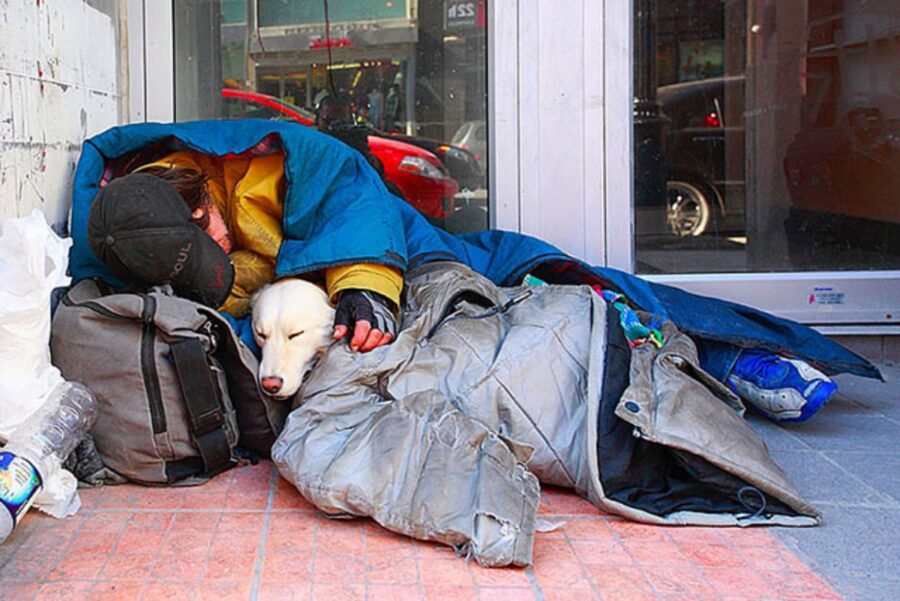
190, 185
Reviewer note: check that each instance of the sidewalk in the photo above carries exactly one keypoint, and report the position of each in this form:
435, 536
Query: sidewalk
248, 535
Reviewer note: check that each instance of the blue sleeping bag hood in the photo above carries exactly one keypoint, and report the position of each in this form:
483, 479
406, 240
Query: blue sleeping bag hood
337, 211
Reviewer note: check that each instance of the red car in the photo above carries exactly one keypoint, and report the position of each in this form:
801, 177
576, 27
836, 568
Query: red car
418, 173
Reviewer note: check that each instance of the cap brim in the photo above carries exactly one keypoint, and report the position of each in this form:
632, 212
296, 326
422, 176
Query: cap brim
185, 257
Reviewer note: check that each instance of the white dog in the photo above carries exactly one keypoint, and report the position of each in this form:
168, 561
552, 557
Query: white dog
292, 324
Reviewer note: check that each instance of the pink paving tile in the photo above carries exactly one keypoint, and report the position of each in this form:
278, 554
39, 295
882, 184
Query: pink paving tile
230, 565
187, 543
391, 570
564, 594
283, 591
205, 521
551, 548
500, 577
563, 502
589, 530
640, 532
290, 543
450, 593
390, 544
388, 592
250, 499
92, 543
619, 578
712, 556
128, 567
224, 590
629, 596
446, 573
503, 593
168, 591
287, 497
65, 591
561, 573
677, 580
693, 534
22, 567
139, 542
20, 590
234, 543
606, 552
106, 522
285, 568
241, 522
77, 567
338, 592
160, 498
735, 581
152, 522
331, 567
657, 553
178, 567
199, 498
115, 591
428, 551
749, 536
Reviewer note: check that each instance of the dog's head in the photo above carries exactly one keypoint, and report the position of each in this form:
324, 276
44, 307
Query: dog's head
292, 324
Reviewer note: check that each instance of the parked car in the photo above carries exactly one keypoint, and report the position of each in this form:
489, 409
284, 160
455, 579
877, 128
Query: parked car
463, 165
418, 174
472, 136
705, 153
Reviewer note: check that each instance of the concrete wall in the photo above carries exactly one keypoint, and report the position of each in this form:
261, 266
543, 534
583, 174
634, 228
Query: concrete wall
59, 84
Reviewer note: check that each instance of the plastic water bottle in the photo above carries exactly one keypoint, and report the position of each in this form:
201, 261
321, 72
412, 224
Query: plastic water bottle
38, 448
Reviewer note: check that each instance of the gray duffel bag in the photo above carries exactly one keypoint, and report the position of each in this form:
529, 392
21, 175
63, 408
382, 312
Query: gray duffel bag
176, 389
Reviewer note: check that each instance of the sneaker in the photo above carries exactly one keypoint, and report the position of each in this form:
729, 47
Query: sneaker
785, 390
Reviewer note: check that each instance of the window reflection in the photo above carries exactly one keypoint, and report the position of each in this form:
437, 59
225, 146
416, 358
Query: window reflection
777, 127
402, 81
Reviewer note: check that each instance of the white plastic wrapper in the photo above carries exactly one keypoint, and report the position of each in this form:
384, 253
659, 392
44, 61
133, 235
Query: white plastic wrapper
33, 261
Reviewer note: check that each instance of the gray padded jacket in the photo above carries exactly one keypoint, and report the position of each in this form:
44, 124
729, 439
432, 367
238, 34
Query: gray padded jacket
444, 434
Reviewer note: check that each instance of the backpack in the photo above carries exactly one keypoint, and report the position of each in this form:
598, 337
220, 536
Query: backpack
176, 390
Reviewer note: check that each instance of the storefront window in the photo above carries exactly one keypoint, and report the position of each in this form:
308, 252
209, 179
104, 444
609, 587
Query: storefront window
767, 135
403, 81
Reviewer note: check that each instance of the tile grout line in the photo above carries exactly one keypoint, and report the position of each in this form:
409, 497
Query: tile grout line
261, 546
149, 578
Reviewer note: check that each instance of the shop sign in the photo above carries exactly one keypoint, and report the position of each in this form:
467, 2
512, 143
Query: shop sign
463, 13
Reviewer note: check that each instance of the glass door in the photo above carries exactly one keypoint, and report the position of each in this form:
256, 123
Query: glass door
767, 142
404, 82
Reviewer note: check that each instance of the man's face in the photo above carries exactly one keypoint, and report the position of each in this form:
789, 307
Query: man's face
217, 230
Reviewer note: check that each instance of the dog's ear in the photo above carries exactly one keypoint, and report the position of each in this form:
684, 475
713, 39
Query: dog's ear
255, 297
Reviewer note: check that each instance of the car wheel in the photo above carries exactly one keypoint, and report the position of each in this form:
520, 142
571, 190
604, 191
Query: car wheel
689, 210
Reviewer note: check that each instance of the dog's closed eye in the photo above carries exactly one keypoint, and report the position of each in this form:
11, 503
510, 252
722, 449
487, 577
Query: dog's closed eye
295, 334
261, 335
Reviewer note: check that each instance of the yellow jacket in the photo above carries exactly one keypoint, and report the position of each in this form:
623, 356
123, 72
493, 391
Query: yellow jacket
248, 191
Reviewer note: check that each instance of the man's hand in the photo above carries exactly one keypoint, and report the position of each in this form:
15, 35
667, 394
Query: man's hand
370, 316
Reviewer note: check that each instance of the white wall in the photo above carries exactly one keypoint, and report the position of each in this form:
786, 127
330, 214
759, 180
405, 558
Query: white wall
548, 122
58, 85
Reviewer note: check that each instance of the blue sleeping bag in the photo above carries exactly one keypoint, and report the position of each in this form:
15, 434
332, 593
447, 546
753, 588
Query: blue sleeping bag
338, 211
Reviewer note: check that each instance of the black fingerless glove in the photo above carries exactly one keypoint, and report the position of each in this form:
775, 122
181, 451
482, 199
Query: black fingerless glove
365, 305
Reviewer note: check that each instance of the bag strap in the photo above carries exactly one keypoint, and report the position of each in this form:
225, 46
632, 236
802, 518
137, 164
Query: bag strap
203, 402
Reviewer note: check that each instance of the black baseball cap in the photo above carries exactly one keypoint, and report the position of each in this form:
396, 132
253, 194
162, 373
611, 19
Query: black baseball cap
142, 229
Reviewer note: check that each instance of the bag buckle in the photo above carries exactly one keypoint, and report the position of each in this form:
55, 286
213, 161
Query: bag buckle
207, 422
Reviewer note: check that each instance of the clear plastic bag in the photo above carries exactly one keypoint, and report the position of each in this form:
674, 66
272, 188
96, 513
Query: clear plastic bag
33, 261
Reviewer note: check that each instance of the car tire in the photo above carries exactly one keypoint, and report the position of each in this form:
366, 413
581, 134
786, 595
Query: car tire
689, 209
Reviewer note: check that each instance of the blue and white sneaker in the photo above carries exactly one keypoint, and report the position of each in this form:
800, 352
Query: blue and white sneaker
785, 390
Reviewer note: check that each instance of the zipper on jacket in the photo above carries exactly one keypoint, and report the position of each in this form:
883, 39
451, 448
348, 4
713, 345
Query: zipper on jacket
148, 365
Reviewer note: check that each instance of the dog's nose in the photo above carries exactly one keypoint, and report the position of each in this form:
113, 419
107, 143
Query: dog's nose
272, 384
